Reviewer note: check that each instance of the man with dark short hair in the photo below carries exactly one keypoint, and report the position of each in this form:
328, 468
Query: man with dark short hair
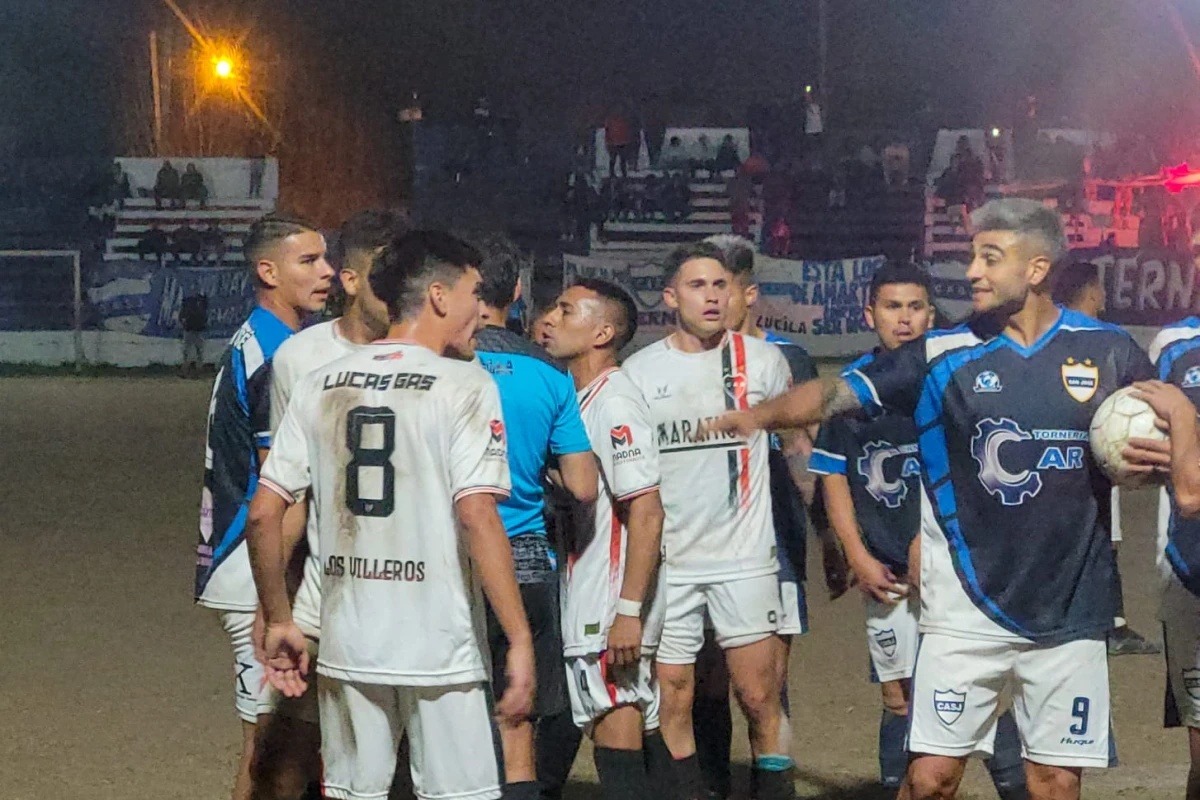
540, 404
612, 599
286, 256
403, 447
721, 559
289, 738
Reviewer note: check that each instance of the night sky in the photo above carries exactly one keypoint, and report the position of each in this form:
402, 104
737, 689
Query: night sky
69, 67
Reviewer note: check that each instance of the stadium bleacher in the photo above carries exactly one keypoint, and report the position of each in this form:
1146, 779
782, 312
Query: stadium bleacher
708, 214
139, 215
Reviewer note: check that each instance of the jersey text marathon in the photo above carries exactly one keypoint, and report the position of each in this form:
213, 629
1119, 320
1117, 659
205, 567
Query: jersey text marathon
681, 436
375, 569
370, 380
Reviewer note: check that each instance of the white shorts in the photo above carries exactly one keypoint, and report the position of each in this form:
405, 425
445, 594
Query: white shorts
892, 639
1181, 631
304, 707
743, 611
596, 687
793, 619
451, 746
1059, 697
249, 680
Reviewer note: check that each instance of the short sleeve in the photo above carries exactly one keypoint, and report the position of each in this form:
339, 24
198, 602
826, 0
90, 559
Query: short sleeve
568, 434
258, 402
1137, 365
627, 452
282, 382
892, 381
287, 469
479, 442
829, 450
801, 364
778, 376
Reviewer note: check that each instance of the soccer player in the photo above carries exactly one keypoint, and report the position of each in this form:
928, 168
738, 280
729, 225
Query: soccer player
718, 537
404, 451
791, 491
872, 486
1176, 351
291, 279
1079, 288
1015, 557
612, 611
539, 400
289, 738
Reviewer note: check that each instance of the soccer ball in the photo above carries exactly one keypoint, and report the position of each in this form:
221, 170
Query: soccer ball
1122, 417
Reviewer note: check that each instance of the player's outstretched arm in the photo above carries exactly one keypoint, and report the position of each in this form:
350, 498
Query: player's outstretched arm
874, 578
579, 475
644, 520
807, 404
488, 545
284, 648
1180, 455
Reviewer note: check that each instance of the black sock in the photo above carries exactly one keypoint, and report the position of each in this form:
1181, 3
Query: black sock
555, 744
622, 774
712, 721
893, 758
1006, 765
689, 782
771, 784
660, 765
523, 790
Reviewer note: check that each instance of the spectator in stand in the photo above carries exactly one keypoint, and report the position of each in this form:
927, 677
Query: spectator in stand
186, 240
191, 186
781, 237
703, 157
193, 319
153, 242
258, 168
961, 186
811, 185
896, 165
674, 156
212, 243
655, 131
620, 140
118, 186
814, 123
727, 155
971, 173
166, 186
652, 198
677, 197
740, 189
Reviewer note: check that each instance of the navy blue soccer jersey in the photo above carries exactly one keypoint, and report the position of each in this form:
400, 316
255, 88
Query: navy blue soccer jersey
1016, 537
1176, 352
787, 506
239, 424
879, 458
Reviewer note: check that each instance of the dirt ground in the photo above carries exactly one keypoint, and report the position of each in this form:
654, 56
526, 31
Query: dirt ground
117, 688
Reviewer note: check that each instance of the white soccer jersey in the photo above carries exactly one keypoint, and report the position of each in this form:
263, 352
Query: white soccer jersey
389, 439
308, 350
622, 437
716, 489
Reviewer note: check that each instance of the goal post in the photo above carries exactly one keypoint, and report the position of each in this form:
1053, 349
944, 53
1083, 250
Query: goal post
77, 291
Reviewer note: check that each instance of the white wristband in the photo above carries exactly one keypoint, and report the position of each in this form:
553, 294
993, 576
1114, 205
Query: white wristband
629, 608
